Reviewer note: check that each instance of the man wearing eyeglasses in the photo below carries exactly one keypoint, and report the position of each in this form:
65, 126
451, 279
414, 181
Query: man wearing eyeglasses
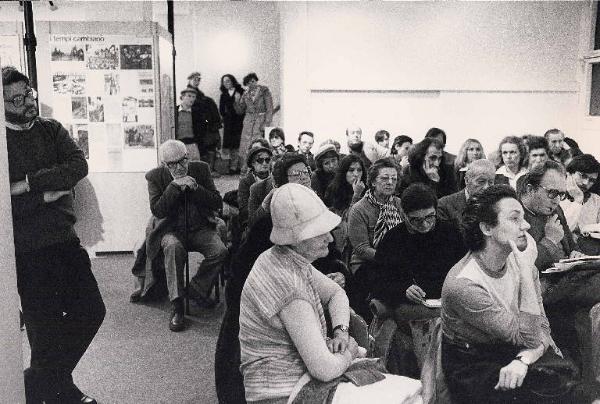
169, 185
412, 261
567, 297
62, 306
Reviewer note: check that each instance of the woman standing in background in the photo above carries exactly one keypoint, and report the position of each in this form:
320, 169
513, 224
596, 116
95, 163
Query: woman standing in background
233, 119
257, 103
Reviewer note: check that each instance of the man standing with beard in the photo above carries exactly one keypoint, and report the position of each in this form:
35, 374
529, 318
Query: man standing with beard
62, 306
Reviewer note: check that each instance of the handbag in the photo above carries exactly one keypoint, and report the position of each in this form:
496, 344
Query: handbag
551, 379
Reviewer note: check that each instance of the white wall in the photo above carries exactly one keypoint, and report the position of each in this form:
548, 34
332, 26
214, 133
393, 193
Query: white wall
480, 69
222, 37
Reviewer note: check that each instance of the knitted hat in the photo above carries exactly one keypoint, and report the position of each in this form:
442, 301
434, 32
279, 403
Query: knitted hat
324, 149
254, 151
299, 214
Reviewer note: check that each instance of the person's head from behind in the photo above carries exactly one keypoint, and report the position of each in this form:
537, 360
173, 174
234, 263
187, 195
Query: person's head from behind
291, 167
259, 142
327, 159
276, 137
539, 151
382, 137
305, 141
438, 134
513, 153
419, 205
353, 135
259, 161
337, 145
251, 80
188, 97
383, 178
470, 151
480, 176
302, 221
495, 218
20, 100
426, 155
194, 79
584, 169
173, 155
401, 145
555, 138
543, 187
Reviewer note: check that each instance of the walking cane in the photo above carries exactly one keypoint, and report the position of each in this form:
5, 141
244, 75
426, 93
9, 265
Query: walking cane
185, 245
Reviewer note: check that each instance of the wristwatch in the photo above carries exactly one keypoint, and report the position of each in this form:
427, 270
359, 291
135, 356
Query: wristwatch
524, 360
342, 328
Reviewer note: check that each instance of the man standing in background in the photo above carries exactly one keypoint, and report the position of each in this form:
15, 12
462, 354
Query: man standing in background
62, 305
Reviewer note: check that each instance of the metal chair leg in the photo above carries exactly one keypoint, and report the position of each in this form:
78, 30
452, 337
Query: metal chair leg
187, 284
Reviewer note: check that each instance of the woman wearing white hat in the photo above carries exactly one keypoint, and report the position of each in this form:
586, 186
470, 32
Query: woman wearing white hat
283, 333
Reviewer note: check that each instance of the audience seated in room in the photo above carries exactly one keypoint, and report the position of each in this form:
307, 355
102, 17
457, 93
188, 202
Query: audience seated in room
496, 336
326, 160
568, 297
168, 186
283, 330
479, 176
513, 154
412, 261
470, 151
259, 168
426, 165
582, 210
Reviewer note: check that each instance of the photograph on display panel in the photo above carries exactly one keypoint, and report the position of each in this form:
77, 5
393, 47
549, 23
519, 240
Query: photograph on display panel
102, 57
130, 109
96, 109
111, 84
139, 136
79, 107
67, 52
136, 57
69, 83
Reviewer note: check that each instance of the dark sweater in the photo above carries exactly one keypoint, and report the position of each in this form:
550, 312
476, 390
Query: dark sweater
403, 259
52, 162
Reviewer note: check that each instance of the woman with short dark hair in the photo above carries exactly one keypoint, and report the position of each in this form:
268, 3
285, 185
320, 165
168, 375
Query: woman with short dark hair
494, 326
514, 155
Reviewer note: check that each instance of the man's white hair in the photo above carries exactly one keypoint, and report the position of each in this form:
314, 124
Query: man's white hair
172, 150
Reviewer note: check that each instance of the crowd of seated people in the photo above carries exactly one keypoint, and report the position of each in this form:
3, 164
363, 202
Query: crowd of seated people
403, 217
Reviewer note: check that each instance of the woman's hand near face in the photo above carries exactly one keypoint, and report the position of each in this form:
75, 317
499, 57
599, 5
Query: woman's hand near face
512, 376
358, 187
431, 171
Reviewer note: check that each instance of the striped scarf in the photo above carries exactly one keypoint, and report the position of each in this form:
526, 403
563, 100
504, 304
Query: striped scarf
389, 217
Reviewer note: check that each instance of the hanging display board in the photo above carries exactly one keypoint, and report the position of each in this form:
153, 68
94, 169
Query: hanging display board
103, 90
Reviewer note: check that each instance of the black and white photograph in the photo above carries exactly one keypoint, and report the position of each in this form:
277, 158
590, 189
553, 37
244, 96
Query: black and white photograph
69, 83
136, 57
79, 107
66, 52
111, 84
304, 202
130, 109
95, 109
102, 56
138, 136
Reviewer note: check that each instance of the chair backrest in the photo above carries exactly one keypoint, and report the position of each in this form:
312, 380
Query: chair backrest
359, 330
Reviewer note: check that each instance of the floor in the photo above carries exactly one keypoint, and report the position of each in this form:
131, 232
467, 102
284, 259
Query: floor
135, 357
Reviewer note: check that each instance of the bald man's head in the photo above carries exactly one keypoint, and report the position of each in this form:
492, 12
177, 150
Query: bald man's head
479, 176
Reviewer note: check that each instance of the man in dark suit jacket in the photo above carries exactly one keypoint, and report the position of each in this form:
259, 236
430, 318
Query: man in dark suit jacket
479, 176
168, 186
